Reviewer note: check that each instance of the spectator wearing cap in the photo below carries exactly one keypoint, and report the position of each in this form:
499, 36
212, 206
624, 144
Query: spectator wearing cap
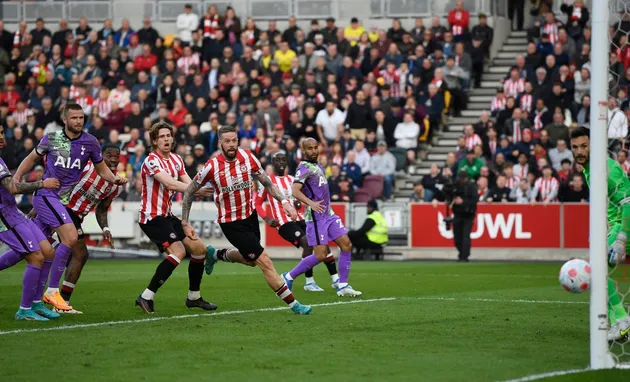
330, 31
120, 94
353, 32
384, 163
186, 23
459, 19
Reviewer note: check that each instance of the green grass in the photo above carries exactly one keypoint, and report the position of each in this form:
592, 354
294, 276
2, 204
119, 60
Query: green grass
449, 322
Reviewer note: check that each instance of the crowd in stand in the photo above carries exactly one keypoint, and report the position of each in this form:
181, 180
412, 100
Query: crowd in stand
357, 89
519, 149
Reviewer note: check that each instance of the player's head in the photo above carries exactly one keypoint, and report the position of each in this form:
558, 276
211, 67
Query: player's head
2, 141
279, 162
310, 148
228, 140
580, 145
73, 117
111, 156
161, 135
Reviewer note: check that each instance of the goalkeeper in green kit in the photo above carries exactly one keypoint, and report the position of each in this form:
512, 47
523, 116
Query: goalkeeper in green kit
618, 225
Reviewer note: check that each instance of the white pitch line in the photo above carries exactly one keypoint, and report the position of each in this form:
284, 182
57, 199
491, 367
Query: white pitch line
515, 301
536, 377
233, 312
226, 313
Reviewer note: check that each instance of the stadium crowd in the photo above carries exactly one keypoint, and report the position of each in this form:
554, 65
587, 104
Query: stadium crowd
519, 151
360, 91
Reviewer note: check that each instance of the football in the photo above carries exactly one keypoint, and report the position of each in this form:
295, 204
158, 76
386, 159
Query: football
575, 276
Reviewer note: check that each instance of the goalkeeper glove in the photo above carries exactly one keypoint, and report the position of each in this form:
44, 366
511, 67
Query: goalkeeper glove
617, 250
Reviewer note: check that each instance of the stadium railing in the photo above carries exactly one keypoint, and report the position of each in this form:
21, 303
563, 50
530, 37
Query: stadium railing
167, 10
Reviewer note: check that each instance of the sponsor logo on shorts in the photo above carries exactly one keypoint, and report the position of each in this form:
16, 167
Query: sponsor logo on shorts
297, 233
321, 237
252, 256
173, 236
80, 231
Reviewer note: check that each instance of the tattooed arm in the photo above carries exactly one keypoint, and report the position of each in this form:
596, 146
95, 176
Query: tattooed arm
263, 178
189, 196
27, 187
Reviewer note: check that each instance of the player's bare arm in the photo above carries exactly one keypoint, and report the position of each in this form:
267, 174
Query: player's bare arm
299, 195
104, 172
264, 179
169, 182
27, 164
189, 195
101, 218
27, 187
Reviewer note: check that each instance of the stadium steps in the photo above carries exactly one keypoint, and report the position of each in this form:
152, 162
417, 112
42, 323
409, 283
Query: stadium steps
479, 99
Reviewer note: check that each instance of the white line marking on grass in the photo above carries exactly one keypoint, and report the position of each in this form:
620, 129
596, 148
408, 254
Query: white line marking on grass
516, 301
234, 312
536, 377
226, 313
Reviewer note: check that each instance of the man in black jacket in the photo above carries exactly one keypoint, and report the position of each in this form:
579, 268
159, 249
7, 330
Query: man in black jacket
464, 207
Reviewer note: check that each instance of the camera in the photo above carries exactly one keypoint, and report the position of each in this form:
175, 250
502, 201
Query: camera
449, 191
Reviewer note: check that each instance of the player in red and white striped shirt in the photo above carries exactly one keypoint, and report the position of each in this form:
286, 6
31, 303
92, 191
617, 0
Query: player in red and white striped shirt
162, 176
292, 231
547, 187
91, 193
232, 174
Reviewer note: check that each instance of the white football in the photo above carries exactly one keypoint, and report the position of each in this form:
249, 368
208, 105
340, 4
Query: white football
575, 276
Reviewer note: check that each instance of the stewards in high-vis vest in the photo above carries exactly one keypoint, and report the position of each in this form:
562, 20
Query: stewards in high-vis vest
373, 232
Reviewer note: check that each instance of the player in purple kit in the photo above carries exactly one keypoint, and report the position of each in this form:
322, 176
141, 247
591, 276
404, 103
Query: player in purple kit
23, 237
67, 153
322, 225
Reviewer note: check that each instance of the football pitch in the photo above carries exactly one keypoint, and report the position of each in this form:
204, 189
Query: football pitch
416, 321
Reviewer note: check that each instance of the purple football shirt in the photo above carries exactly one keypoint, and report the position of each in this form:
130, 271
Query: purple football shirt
313, 177
65, 160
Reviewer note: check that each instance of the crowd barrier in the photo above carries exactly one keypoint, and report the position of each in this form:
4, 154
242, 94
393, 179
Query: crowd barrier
416, 226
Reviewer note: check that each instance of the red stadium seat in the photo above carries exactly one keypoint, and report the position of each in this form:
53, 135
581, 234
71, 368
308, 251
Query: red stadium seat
373, 184
362, 196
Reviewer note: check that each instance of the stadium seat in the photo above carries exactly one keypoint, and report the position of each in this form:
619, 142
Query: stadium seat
401, 157
373, 184
362, 196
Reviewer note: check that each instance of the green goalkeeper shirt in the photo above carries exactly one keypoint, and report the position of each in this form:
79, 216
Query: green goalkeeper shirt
618, 195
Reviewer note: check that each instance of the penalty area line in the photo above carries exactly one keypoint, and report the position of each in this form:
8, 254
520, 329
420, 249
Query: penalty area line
184, 316
536, 377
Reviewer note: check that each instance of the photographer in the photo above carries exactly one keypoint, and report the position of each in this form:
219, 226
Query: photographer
463, 201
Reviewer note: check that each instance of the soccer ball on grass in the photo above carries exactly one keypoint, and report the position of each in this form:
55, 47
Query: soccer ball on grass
575, 276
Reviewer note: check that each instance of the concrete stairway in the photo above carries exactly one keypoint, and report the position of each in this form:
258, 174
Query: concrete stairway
479, 99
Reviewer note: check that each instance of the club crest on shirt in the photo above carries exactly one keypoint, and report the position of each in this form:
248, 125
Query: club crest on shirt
243, 168
177, 167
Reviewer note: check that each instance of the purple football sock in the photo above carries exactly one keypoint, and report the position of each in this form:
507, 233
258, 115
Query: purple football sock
43, 279
307, 263
62, 254
9, 259
344, 266
29, 285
